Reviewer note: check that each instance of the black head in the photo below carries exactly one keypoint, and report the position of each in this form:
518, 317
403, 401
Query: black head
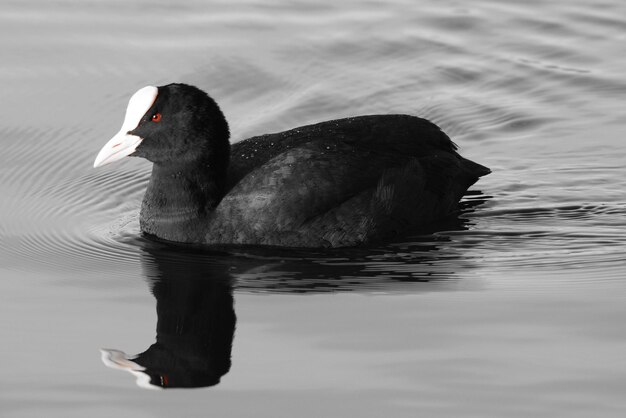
182, 125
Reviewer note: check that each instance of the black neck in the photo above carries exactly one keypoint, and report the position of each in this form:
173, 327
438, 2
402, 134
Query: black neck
179, 197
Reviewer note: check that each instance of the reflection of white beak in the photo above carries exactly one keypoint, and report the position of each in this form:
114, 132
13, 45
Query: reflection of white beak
118, 360
123, 144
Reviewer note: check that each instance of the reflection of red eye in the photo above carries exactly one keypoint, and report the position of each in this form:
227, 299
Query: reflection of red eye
156, 117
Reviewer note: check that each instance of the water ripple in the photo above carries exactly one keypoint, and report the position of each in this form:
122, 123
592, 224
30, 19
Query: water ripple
537, 104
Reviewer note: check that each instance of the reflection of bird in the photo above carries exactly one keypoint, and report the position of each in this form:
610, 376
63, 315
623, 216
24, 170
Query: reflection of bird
195, 325
337, 183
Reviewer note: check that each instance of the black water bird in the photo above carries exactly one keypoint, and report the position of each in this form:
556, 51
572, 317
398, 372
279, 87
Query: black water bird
343, 182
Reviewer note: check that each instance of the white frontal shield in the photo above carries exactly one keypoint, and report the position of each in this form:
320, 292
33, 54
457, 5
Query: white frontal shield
123, 144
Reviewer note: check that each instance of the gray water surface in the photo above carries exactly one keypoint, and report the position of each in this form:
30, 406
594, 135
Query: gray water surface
516, 308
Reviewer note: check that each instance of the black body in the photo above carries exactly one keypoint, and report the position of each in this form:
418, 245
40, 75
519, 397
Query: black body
344, 182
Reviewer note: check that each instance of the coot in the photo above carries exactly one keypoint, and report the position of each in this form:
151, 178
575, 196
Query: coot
338, 183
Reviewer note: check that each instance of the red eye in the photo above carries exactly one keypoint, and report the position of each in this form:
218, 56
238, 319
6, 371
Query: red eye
156, 117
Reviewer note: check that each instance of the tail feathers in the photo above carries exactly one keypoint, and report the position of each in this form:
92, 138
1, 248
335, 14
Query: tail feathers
474, 169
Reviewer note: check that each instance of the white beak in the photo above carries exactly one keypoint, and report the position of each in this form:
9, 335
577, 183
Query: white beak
123, 144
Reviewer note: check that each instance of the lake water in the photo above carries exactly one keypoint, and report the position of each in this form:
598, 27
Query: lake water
515, 309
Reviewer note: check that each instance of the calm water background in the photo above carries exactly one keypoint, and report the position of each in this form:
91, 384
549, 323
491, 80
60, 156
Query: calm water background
518, 309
